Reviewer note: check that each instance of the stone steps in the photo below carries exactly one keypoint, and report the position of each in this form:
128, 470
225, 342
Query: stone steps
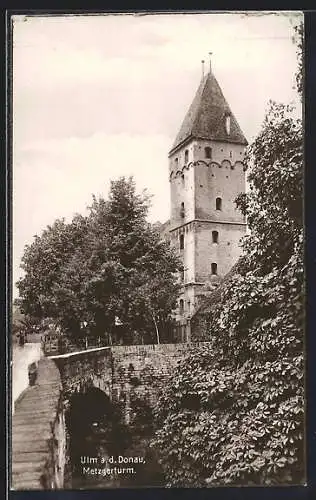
34, 412
41, 445
24, 435
29, 416
28, 457
27, 468
40, 401
32, 484
33, 425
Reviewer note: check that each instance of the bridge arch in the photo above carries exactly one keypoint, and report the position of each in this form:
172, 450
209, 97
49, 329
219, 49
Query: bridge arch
96, 430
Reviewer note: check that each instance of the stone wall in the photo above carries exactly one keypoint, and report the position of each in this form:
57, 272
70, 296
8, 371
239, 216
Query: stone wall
225, 253
145, 368
140, 373
222, 177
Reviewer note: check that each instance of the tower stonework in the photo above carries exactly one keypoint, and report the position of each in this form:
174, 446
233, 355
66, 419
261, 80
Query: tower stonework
206, 174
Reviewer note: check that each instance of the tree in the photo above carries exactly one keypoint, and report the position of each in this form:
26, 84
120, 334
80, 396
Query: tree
234, 411
45, 263
143, 285
110, 264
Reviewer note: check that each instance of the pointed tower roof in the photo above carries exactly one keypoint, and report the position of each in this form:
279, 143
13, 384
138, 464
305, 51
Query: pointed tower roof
206, 117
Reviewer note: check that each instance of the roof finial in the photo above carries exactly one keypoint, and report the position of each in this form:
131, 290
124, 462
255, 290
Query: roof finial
210, 54
202, 68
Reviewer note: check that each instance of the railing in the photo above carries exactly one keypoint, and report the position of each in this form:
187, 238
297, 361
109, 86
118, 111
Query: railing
59, 344
54, 343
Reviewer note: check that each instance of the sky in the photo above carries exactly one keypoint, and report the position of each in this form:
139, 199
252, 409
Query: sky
99, 96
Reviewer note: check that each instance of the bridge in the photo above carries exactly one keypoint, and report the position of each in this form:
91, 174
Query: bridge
41, 433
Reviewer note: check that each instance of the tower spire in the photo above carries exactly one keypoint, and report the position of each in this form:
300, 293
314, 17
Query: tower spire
210, 54
202, 68
204, 118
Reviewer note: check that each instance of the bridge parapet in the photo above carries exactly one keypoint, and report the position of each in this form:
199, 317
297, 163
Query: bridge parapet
83, 369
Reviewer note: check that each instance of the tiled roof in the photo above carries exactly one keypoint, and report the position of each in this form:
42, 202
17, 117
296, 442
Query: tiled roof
206, 116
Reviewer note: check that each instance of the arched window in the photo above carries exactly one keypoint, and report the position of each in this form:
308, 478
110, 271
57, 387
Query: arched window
176, 160
182, 274
208, 152
186, 156
181, 306
182, 177
214, 268
218, 203
215, 236
182, 210
181, 241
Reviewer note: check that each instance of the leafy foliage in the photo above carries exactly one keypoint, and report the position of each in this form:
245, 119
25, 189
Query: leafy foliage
298, 39
233, 412
109, 264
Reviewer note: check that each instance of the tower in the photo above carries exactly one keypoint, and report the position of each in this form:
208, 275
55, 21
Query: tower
206, 174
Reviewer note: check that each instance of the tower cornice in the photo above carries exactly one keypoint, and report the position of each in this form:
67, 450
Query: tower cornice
209, 221
200, 138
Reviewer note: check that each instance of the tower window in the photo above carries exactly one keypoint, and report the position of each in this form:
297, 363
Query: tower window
215, 236
181, 241
182, 177
182, 274
176, 160
182, 210
208, 152
218, 203
186, 156
214, 268
227, 124
181, 304
230, 154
